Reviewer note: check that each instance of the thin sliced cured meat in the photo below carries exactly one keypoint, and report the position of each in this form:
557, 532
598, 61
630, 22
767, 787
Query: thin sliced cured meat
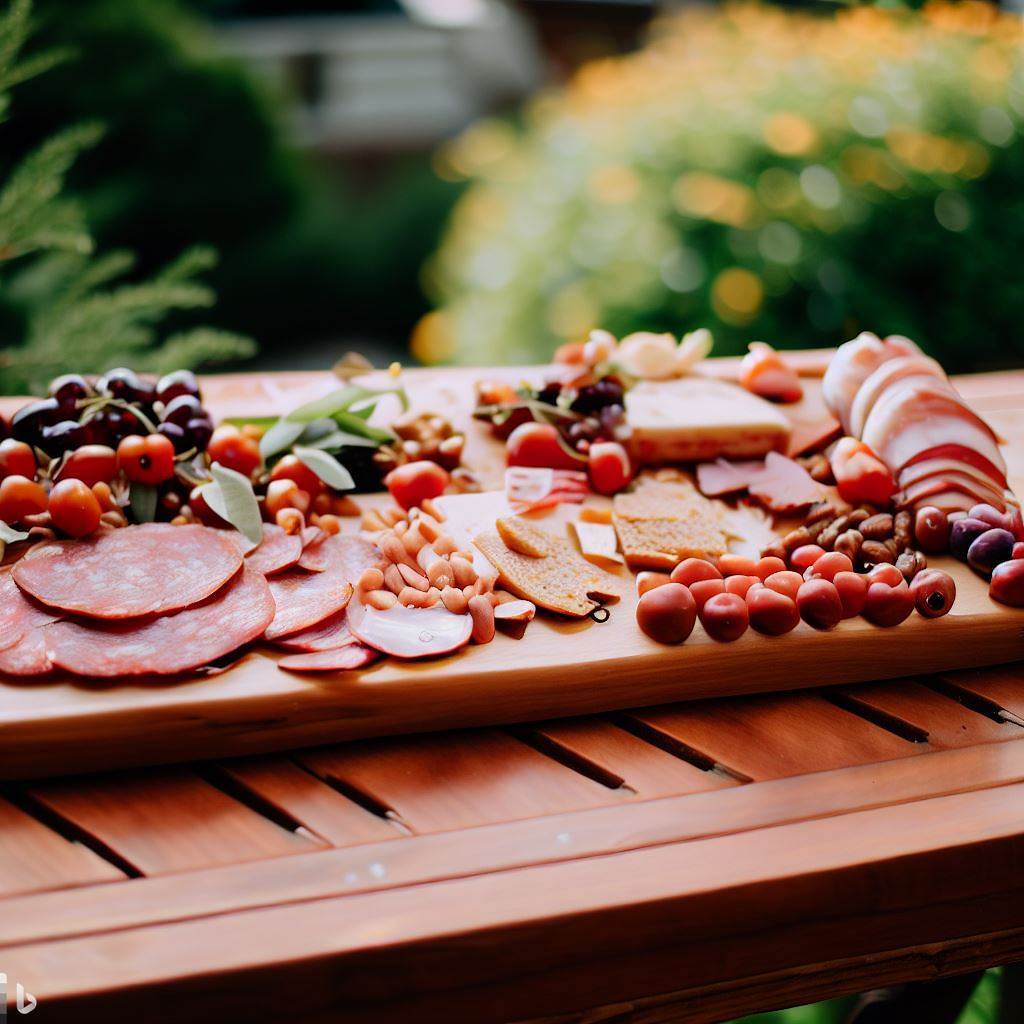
27, 657
305, 599
168, 644
853, 363
949, 501
813, 435
338, 659
18, 614
917, 471
923, 489
784, 485
325, 636
916, 416
346, 552
276, 552
151, 569
312, 535
961, 454
877, 383
725, 477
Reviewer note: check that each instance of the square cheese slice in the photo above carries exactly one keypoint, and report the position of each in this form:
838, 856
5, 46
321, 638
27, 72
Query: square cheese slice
694, 419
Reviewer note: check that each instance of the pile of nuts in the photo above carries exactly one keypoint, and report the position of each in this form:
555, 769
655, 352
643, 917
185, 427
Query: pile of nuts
422, 435
423, 567
867, 537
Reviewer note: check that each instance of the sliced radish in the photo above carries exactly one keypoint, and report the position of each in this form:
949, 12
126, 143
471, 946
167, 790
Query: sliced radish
410, 632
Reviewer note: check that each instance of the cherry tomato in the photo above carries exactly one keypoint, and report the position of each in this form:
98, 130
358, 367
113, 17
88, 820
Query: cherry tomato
16, 459
92, 463
146, 460
74, 508
537, 444
609, 467
231, 448
291, 467
413, 483
20, 497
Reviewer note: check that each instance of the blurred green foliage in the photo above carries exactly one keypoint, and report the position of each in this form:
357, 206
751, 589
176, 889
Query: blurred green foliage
194, 150
60, 307
778, 175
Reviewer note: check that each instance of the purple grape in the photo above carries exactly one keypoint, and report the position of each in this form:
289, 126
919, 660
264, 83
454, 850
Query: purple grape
5, 428
962, 535
178, 436
28, 422
173, 385
127, 385
549, 393
200, 431
989, 549
593, 397
110, 425
65, 436
68, 389
182, 409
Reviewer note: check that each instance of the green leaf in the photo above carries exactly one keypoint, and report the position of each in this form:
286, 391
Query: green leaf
342, 439
232, 498
266, 422
352, 423
9, 535
325, 407
142, 502
280, 437
332, 472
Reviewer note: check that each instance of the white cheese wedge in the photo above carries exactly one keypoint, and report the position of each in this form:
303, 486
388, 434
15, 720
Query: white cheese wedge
694, 418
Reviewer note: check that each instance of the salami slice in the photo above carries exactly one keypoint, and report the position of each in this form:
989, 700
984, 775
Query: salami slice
151, 569
305, 599
18, 615
325, 636
276, 552
168, 644
27, 656
340, 659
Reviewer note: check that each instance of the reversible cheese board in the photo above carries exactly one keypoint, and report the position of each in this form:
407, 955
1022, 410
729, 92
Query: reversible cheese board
239, 564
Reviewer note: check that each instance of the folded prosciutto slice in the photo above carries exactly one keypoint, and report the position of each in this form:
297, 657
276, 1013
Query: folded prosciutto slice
917, 415
961, 483
853, 363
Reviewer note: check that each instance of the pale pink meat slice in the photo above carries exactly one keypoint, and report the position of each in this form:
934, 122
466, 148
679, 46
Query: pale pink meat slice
305, 599
27, 656
168, 644
853, 363
338, 659
276, 552
887, 374
917, 494
137, 570
961, 454
784, 485
917, 415
914, 472
18, 614
725, 477
325, 636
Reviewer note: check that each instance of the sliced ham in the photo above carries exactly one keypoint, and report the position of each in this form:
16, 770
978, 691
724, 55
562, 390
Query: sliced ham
339, 659
325, 636
887, 374
18, 614
914, 472
137, 570
967, 457
948, 501
276, 552
853, 363
917, 415
784, 485
725, 477
918, 493
168, 644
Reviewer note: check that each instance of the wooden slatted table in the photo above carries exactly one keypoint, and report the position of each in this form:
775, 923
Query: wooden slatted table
691, 862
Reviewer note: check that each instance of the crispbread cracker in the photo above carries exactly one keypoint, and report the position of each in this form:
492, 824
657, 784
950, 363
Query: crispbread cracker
559, 579
661, 522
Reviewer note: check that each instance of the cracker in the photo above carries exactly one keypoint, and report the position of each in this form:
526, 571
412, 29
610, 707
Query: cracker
661, 522
558, 578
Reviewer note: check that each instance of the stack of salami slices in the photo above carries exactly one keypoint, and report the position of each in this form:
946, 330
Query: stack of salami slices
161, 600
901, 404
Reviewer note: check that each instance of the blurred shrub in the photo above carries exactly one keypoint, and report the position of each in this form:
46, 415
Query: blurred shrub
194, 150
770, 175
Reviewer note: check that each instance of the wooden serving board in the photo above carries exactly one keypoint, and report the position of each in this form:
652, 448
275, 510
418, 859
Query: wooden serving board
558, 669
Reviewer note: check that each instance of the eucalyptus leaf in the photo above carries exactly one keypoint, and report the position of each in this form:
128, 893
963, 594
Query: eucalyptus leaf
342, 439
142, 502
317, 429
278, 438
232, 498
9, 535
332, 472
251, 421
327, 406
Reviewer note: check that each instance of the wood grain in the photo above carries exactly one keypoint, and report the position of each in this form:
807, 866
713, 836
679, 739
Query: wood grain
157, 822
559, 669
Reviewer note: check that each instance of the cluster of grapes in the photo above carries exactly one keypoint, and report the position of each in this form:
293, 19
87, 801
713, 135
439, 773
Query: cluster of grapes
84, 411
600, 404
